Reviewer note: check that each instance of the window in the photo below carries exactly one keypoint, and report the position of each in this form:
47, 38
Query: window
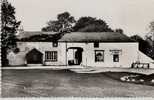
96, 44
99, 55
116, 58
55, 44
116, 53
51, 55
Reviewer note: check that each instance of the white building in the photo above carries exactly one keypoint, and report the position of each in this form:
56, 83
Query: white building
95, 49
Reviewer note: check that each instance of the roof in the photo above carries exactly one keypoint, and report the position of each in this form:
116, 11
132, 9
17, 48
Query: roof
95, 36
38, 36
27, 34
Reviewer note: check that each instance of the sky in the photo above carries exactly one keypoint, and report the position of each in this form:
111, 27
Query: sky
133, 16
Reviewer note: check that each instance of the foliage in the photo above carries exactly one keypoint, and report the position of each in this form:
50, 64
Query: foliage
8, 29
151, 26
144, 46
150, 35
52, 26
119, 30
150, 38
63, 23
42, 38
16, 50
90, 24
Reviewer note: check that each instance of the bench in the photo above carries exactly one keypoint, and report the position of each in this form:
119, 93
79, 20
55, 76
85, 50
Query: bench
140, 65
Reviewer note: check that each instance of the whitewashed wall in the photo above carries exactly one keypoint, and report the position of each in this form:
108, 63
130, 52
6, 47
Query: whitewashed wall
25, 47
128, 56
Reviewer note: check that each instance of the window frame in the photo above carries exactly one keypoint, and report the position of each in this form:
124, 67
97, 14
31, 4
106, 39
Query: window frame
96, 44
51, 56
115, 58
55, 44
116, 52
103, 55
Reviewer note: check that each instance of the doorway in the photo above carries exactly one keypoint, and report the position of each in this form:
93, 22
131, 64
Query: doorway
34, 57
74, 55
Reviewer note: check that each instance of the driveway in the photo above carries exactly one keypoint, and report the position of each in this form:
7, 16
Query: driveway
64, 83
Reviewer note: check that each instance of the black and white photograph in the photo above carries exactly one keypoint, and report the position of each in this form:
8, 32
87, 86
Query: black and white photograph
77, 48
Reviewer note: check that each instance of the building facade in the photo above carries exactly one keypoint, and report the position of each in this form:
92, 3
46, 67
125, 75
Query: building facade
84, 49
86, 54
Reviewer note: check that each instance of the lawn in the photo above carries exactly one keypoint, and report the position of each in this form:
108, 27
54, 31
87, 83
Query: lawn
64, 83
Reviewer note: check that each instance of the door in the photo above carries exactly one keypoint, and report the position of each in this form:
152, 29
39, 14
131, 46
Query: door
34, 57
78, 57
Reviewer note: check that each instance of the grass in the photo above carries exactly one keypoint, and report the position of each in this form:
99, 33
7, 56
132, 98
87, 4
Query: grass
64, 83
147, 78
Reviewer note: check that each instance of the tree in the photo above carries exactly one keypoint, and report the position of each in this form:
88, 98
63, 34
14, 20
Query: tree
54, 26
150, 35
119, 30
90, 24
144, 46
63, 23
151, 26
150, 38
8, 29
